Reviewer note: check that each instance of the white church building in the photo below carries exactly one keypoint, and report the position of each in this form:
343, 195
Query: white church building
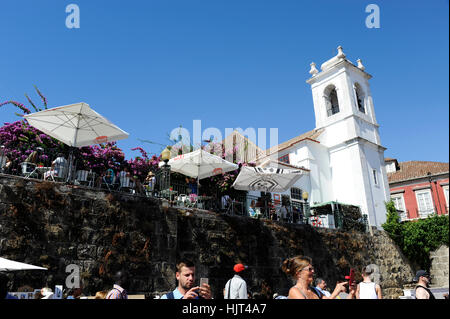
342, 158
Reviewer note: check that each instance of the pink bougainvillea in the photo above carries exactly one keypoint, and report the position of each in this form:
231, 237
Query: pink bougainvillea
20, 139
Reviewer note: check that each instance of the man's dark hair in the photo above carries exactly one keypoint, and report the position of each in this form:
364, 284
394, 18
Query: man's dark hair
318, 281
121, 278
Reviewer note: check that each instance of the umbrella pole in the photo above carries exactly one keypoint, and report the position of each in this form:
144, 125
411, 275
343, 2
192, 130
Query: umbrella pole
70, 173
69, 176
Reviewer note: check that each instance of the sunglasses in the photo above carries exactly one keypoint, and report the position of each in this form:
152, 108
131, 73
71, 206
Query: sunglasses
310, 268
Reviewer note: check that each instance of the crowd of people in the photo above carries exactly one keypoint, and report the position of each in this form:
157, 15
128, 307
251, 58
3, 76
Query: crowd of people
58, 170
300, 268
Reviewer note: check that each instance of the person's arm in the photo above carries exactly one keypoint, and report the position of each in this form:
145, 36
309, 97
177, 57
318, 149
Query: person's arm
352, 292
421, 293
378, 289
357, 292
243, 291
340, 287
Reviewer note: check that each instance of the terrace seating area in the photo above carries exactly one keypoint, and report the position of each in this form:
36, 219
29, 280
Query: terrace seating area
178, 191
178, 194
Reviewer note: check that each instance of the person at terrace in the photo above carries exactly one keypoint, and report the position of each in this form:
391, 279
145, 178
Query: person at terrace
6, 167
34, 156
226, 202
252, 209
186, 288
59, 167
192, 184
32, 160
301, 269
150, 182
107, 177
125, 177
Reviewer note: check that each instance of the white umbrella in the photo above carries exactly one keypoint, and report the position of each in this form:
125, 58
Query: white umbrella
200, 164
9, 265
76, 125
266, 179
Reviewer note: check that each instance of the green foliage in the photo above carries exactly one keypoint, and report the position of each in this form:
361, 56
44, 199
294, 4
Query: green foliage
417, 238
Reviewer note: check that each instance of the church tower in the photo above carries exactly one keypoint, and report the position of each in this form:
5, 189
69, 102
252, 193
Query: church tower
344, 109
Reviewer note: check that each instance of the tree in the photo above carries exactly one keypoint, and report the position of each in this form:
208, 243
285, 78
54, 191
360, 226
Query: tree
417, 238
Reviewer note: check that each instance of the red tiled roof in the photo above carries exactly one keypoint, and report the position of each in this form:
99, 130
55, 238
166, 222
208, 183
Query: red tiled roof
417, 169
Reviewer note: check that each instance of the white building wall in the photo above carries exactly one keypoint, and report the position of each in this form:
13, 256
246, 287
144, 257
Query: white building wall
353, 179
346, 172
314, 157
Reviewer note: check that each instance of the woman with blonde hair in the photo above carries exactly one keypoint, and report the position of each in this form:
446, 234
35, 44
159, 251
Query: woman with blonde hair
301, 269
101, 294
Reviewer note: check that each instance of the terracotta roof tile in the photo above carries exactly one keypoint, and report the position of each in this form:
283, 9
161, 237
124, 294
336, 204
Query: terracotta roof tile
311, 135
417, 169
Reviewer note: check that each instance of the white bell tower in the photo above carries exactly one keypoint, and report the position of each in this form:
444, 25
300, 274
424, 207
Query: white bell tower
344, 108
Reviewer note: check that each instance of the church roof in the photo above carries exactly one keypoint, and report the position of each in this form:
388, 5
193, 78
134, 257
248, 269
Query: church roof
277, 163
417, 169
257, 154
311, 135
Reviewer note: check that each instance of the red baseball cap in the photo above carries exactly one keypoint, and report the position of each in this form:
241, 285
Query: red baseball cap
239, 267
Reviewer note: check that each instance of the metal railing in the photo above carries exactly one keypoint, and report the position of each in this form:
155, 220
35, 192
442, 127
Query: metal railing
179, 193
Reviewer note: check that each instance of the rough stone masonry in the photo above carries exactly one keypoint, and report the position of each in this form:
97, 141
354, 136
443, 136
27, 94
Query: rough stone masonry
54, 225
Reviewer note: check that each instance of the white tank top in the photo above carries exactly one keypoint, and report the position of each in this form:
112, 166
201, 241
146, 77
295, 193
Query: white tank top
367, 290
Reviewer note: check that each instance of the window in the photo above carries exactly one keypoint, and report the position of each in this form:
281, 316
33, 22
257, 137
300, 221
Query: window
331, 100
399, 204
424, 202
390, 167
445, 188
360, 98
284, 159
296, 193
375, 179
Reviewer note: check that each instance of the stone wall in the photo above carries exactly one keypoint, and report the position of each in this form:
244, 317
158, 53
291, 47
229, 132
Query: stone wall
54, 225
439, 267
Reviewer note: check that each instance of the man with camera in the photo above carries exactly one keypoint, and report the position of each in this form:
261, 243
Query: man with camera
185, 275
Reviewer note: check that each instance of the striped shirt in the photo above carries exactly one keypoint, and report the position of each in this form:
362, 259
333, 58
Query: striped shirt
117, 293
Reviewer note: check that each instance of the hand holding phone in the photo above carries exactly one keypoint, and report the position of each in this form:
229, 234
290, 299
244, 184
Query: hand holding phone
205, 290
203, 281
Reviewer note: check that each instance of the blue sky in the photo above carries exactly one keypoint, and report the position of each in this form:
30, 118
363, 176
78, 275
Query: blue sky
150, 66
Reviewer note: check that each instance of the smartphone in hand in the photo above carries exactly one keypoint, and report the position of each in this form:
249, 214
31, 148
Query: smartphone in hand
350, 278
203, 281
